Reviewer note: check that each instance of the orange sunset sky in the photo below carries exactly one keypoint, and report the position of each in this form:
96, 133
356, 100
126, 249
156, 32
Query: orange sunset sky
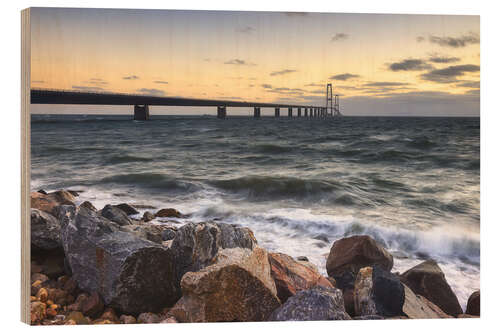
379, 64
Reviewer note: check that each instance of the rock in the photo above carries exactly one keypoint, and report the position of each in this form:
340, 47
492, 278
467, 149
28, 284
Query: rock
196, 244
53, 263
291, 276
237, 287
35, 287
78, 305
148, 318
169, 320
57, 296
428, 280
369, 317
417, 307
317, 303
116, 215
348, 255
348, 295
88, 205
302, 258
332, 281
148, 216
378, 292
42, 295
38, 312
42, 191
48, 202
168, 234
467, 316
93, 306
78, 318
39, 276
127, 209
109, 314
102, 322
127, 319
168, 212
45, 230
474, 304
131, 274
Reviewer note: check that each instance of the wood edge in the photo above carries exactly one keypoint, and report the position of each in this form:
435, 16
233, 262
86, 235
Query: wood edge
25, 164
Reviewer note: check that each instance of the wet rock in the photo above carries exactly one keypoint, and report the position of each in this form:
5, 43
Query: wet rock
148, 216
88, 205
474, 304
48, 202
428, 280
131, 274
93, 306
116, 215
125, 319
237, 287
317, 303
148, 318
291, 276
348, 255
45, 230
378, 292
168, 212
196, 244
417, 307
127, 209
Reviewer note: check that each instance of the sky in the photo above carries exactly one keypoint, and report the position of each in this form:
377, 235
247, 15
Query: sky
401, 65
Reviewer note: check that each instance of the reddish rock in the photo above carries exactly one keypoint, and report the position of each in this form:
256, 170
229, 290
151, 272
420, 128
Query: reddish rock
474, 304
93, 305
57, 296
428, 280
109, 314
35, 287
38, 312
236, 287
78, 318
168, 212
291, 276
417, 307
128, 319
42, 295
48, 202
39, 276
348, 255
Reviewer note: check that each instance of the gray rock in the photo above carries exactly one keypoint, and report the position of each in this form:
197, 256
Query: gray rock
45, 230
148, 216
318, 303
168, 234
196, 244
151, 232
116, 215
131, 274
127, 209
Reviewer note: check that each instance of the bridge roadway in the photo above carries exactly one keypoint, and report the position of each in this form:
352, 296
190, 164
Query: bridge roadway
141, 103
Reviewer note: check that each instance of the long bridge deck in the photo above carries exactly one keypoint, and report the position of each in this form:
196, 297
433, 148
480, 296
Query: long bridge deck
142, 102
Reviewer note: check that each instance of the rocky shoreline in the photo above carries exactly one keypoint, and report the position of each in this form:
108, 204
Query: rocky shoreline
92, 266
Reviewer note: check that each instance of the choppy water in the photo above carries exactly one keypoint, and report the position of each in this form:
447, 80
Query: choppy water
300, 184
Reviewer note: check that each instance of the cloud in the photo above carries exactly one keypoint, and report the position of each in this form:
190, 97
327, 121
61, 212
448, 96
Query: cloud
283, 72
161, 82
443, 59
245, 30
314, 85
266, 86
469, 84
238, 62
147, 91
385, 84
339, 36
344, 77
131, 77
420, 39
206, 59
455, 42
448, 74
409, 65
88, 88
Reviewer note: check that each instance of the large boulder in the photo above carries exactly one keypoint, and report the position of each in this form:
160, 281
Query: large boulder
152, 232
45, 230
317, 303
237, 287
48, 202
418, 307
131, 274
378, 292
427, 279
348, 255
196, 244
291, 276
127, 209
168, 212
116, 215
474, 304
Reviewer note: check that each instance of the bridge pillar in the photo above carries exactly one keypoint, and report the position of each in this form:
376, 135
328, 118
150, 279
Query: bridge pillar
276, 112
299, 112
315, 112
221, 112
305, 112
141, 112
290, 112
256, 112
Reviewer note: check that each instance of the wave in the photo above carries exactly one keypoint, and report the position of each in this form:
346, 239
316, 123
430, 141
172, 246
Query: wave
262, 187
125, 158
152, 181
272, 149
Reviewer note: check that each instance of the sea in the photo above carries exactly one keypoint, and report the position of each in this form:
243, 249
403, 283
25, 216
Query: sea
300, 184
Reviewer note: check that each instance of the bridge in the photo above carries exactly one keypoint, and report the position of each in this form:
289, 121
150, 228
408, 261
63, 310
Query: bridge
141, 103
